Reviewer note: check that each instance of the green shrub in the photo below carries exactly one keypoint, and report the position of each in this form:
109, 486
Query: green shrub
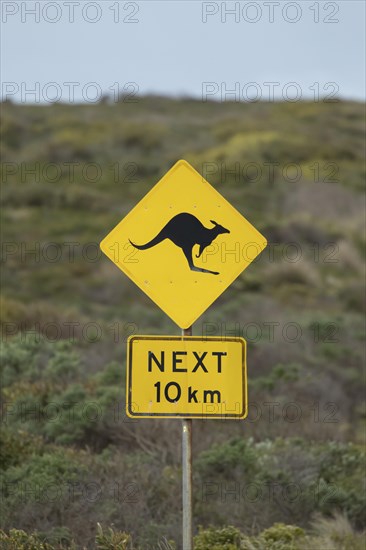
227, 538
20, 540
223, 458
326, 477
112, 540
283, 537
41, 481
29, 359
17, 446
280, 373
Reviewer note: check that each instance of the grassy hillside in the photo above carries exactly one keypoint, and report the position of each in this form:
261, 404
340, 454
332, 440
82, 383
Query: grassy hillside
71, 458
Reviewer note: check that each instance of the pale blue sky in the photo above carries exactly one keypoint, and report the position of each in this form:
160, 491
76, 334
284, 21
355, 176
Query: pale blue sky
170, 50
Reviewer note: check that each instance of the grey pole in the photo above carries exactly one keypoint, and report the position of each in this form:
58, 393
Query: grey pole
187, 474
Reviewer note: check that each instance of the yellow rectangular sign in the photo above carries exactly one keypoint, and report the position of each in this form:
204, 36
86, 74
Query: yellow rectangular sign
186, 377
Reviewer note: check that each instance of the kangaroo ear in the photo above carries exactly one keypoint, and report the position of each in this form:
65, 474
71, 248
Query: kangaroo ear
215, 223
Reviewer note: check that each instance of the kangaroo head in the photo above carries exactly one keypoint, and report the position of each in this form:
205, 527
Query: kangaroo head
219, 228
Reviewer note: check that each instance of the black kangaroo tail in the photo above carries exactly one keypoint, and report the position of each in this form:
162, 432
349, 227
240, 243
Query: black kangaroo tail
156, 240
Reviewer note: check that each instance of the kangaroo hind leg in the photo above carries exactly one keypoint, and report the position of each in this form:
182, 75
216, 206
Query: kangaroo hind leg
188, 254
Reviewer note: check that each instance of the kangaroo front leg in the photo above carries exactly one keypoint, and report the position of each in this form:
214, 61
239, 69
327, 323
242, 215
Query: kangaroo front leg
188, 255
202, 247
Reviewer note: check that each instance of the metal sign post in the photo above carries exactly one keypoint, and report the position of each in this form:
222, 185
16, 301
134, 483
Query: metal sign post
187, 475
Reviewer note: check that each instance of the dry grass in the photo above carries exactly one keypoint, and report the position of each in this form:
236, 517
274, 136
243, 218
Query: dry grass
334, 533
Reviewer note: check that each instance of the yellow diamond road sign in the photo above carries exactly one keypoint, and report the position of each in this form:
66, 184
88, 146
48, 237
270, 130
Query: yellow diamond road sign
183, 244
190, 377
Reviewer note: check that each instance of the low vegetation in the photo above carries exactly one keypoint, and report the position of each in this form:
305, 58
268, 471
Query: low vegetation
75, 471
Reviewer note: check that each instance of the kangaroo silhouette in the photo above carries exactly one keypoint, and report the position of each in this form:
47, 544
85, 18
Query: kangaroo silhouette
185, 230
